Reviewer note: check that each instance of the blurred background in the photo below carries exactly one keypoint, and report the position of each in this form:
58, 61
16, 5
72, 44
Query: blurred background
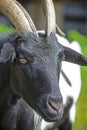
72, 19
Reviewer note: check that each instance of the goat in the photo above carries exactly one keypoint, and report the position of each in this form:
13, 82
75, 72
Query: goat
30, 66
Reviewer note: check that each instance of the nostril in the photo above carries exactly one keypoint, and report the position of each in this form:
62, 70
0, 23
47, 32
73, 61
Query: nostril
54, 105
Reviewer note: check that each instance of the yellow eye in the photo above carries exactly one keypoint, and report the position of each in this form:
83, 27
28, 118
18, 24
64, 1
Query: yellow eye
23, 61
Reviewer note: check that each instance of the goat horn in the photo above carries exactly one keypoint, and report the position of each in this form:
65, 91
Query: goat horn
49, 11
60, 32
28, 17
11, 10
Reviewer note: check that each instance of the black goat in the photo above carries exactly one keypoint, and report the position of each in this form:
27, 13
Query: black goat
30, 66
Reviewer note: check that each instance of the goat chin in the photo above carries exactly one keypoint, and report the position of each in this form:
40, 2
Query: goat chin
72, 71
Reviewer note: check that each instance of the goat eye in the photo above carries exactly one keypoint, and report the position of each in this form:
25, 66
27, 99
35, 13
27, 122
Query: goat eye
23, 61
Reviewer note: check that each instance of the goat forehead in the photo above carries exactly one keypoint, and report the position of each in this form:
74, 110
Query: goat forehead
42, 46
41, 53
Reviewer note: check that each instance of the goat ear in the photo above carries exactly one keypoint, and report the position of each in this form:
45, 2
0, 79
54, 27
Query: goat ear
74, 57
7, 53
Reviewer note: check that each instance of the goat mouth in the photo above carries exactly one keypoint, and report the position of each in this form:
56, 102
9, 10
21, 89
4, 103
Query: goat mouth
50, 117
50, 114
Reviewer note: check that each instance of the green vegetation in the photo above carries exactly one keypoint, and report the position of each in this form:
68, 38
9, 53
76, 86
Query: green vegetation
81, 117
6, 29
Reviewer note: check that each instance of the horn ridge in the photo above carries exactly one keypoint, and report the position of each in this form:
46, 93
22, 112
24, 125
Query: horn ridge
28, 17
11, 10
49, 11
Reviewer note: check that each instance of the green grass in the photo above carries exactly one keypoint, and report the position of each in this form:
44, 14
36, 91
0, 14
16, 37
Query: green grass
81, 116
6, 29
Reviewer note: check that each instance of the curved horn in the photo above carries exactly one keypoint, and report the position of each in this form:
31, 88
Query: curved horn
28, 17
60, 32
49, 11
15, 14
48, 8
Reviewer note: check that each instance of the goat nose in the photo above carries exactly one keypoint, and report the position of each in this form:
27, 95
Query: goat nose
56, 105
